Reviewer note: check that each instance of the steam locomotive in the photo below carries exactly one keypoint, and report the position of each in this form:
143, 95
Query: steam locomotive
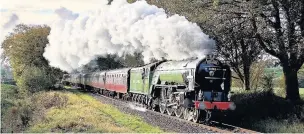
190, 89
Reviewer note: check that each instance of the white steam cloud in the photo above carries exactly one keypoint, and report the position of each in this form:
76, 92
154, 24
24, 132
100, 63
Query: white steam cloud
138, 108
122, 28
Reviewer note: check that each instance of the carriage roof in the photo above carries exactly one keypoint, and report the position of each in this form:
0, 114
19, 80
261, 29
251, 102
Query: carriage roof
118, 71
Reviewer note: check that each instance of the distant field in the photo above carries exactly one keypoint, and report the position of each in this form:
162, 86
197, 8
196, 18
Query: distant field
302, 92
277, 71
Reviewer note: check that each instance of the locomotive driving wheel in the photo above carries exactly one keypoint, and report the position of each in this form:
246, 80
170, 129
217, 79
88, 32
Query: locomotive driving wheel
192, 114
155, 104
179, 111
179, 108
171, 99
163, 101
196, 115
187, 114
207, 117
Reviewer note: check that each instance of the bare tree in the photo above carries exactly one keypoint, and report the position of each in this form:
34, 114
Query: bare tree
279, 28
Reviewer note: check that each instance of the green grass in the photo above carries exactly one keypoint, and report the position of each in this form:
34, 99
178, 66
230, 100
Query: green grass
9, 99
83, 113
64, 111
8, 95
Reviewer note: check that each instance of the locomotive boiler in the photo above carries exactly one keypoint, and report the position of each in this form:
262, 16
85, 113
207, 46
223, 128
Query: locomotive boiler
190, 89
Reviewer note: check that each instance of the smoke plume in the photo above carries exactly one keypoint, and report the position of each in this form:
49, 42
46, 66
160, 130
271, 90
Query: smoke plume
122, 28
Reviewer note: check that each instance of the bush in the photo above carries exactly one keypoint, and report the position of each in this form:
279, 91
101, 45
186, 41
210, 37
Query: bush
17, 117
267, 82
254, 107
49, 100
19, 110
35, 79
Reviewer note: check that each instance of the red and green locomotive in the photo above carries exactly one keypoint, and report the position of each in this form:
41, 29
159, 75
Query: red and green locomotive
190, 89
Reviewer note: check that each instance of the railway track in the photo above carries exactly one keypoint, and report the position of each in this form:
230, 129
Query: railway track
215, 126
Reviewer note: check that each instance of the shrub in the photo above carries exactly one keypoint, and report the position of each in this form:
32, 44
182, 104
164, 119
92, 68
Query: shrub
34, 79
254, 107
19, 110
17, 118
267, 82
49, 100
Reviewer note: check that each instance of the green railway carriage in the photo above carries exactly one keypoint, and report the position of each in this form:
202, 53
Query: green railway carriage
141, 78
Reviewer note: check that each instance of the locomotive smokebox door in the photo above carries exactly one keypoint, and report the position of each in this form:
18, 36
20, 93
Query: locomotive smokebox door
190, 80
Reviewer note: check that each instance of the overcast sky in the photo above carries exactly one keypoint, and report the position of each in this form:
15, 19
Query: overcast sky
13, 12
42, 11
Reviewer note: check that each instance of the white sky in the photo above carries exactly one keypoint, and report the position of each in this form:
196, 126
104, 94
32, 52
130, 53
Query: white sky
42, 11
38, 11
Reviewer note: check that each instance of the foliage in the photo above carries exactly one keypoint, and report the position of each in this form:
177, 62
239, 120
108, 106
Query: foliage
8, 95
34, 79
133, 60
256, 109
24, 48
14, 110
131, 1
113, 62
267, 82
301, 77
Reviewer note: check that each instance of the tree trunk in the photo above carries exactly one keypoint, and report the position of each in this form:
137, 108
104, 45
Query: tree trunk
246, 64
247, 77
291, 83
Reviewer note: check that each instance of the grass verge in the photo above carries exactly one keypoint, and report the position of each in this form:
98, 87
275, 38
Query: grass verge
8, 97
83, 113
64, 111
